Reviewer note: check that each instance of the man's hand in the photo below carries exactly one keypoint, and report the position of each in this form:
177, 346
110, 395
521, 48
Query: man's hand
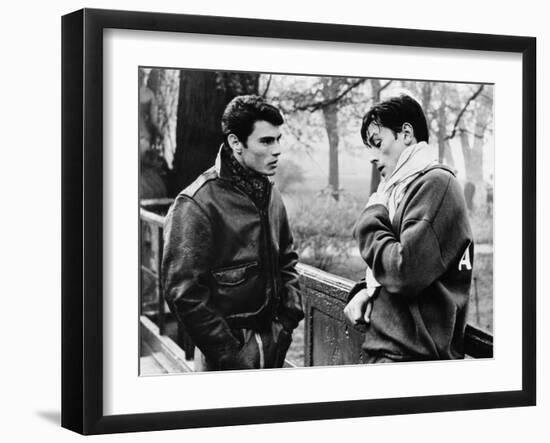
358, 310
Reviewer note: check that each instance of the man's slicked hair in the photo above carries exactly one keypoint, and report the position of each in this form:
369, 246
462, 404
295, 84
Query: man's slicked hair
393, 113
243, 111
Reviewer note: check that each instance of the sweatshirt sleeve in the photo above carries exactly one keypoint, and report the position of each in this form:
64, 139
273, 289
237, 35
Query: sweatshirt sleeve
409, 261
185, 266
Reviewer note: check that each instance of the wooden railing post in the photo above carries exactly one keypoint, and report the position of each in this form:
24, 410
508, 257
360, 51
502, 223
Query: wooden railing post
160, 292
142, 223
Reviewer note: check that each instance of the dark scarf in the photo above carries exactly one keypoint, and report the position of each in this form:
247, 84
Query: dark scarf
254, 184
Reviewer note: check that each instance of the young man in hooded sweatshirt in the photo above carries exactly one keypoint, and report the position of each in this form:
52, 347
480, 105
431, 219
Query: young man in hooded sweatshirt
415, 237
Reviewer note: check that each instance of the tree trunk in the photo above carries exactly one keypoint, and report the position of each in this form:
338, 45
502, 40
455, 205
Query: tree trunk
165, 83
445, 153
203, 96
477, 151
473, 156
466, 151
426, 96
469, 186
330, 114
375, 174
152, 173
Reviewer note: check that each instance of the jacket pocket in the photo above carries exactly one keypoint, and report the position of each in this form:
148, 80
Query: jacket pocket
234, 275
239, 290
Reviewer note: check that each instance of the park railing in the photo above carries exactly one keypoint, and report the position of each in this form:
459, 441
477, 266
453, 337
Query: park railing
328, 339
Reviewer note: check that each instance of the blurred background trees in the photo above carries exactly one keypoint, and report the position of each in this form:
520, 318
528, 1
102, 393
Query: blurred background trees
202, 98
323, 116
190, 105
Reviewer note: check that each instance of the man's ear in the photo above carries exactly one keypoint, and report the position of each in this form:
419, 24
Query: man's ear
235, 144
408, 134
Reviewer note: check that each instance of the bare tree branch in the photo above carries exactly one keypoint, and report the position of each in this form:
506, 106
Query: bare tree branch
312, 107
309, 147
461, 113
480, 134
268, 84
385, 86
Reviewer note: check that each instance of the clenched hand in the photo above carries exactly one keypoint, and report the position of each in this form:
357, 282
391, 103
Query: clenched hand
358, 310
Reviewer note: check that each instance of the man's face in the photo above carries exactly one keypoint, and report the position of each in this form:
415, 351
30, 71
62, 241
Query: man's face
262, 148
385, 148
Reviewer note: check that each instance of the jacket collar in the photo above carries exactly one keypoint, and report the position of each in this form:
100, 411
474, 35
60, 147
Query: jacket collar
220, 164
439, 166
257, 186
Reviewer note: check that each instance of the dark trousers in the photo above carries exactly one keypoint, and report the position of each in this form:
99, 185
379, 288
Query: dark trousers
259, 349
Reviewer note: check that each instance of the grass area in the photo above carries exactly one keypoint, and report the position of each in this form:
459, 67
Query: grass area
481, 295
482, 225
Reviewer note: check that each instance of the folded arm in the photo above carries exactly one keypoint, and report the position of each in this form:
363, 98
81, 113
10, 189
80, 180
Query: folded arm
409, 261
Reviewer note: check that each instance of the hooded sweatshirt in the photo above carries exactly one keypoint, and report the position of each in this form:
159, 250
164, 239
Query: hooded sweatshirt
411, 163
422, 258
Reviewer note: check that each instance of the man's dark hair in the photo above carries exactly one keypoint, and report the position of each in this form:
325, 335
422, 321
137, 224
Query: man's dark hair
393, 113
243, 111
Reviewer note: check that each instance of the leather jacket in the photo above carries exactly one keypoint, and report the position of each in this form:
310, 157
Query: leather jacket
228, 265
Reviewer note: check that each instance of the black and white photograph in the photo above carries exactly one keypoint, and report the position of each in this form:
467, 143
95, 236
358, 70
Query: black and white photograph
291, 221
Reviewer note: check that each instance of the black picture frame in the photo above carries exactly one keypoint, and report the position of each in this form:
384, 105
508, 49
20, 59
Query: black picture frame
82, 218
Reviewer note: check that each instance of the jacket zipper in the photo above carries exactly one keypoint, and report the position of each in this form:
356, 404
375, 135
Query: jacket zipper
264, 221
264, 216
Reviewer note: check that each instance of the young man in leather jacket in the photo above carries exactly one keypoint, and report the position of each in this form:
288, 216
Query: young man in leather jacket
229, 263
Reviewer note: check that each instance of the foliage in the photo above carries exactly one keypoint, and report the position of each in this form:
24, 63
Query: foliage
288, 173
480, 311
322, 228
300, 97
461, 111
482, 225
323, 111
165, 85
